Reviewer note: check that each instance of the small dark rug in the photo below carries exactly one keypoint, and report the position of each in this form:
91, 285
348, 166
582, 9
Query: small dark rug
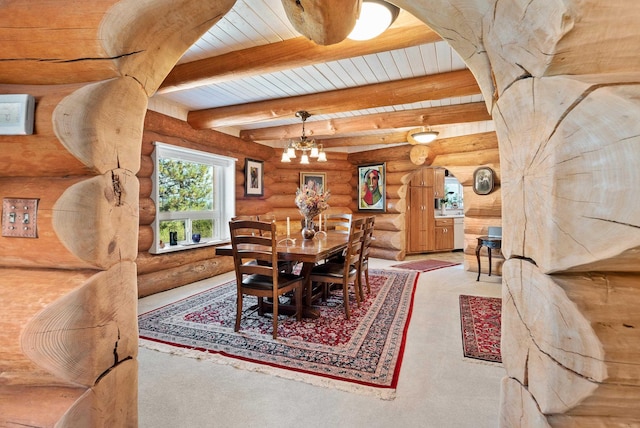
362, 354
425, 265
481, 325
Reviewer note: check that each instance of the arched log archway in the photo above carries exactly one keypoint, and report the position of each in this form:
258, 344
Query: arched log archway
560, 80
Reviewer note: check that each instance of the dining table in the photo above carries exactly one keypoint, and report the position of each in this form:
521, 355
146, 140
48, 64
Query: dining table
309, 252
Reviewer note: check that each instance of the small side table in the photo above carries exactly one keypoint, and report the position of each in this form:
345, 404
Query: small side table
491, 242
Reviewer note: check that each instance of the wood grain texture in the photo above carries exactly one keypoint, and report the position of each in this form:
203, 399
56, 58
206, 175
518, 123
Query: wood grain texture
97, 124
577, 355
453, 84
324, 21
101, 237
577, 173
79, 346
286, 54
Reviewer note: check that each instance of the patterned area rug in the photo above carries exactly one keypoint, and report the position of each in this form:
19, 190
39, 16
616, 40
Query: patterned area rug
481, 325
425, 265
363, 354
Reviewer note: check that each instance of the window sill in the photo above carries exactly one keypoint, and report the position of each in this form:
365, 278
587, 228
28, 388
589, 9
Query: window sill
184, 246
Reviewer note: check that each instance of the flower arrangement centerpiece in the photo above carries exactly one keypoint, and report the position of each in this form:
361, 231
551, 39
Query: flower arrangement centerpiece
311, 203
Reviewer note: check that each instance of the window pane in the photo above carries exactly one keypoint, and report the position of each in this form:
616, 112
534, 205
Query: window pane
185, 186
172, 226
203, 227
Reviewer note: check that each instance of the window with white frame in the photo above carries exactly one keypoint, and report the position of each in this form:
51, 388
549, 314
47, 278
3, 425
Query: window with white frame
194, 193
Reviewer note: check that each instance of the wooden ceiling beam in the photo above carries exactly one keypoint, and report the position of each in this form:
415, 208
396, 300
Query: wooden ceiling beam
291, 53
432, 87
461, 113
364, 140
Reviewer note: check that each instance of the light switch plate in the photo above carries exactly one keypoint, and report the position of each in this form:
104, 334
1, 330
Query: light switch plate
19, 217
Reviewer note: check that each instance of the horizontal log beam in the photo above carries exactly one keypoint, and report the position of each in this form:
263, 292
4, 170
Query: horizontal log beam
433, 87
287, 54
461, 113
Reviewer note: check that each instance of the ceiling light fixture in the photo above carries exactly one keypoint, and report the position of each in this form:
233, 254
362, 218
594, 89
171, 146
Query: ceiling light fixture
375, 17
422, 135
309, 148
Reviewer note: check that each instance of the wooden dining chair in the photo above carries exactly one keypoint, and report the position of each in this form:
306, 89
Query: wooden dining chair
283, 265
346, 272
363, 264
339, 222
257, 241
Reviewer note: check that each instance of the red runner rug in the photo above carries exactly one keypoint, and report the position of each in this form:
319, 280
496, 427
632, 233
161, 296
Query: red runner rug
425, 265
481, 325
362, 354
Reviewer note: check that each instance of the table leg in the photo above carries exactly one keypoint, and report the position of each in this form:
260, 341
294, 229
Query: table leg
478, 258
489, 251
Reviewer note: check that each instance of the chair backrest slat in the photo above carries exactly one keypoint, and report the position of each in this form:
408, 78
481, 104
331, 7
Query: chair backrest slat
356, 232
337, 222
251, 241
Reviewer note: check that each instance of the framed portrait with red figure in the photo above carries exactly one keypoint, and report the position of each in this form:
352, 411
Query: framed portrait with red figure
371, 187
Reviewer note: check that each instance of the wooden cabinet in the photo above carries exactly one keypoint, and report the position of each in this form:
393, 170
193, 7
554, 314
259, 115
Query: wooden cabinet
420, 213
438, 182
420, 220
425, 232
443, 234
423, 178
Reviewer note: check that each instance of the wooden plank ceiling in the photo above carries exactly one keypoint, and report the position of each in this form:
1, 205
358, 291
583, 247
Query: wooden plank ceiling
252, 71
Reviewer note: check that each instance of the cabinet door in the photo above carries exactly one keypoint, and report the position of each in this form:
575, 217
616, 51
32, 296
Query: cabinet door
420, 220
438, 182
444, 238
415, 226
443, 232
423, 178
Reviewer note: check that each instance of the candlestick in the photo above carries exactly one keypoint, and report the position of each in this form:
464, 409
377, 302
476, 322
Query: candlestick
320, 228
288, 228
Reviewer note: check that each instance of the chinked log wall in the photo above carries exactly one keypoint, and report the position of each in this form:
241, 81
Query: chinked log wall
162, 272
461, 156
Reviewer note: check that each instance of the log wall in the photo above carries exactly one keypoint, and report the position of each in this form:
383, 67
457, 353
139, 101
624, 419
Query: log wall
281, 180
561, 83
460, 156
68, 334
158, 273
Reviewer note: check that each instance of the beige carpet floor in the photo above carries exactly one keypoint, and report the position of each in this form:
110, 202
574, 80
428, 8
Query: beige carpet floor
438, 387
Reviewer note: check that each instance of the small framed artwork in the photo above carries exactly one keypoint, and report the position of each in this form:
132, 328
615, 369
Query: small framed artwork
314, 180
253, 177
483, 180
371, 187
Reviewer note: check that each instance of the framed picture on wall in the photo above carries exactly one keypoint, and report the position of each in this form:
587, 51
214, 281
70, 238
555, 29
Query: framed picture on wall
253, 177
483, 180
314, 180
371, 187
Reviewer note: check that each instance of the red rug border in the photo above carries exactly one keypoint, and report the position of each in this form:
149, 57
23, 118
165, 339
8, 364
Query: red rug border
396, 372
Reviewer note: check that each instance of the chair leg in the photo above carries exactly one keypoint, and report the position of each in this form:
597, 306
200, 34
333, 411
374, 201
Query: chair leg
366, 277
275, 317
238, 311
299, 302
345, 294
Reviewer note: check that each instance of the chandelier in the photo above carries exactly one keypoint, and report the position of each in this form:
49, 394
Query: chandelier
309, 148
